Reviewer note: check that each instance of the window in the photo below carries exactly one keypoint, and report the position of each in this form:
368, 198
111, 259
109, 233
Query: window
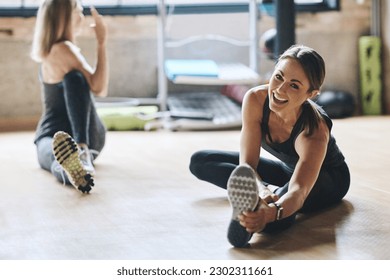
317, 5
28, 8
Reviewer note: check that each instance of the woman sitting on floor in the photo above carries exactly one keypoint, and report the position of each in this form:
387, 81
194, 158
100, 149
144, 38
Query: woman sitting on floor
310, 173
70, 134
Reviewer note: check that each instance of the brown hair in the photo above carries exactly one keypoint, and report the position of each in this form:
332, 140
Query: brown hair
314, 67
53, 24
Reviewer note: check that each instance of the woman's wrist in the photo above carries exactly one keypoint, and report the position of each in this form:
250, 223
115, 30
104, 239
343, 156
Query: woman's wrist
272, 213
277, 210
275, 213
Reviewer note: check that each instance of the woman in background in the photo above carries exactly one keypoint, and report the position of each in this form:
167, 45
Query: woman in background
70, 134
309, 174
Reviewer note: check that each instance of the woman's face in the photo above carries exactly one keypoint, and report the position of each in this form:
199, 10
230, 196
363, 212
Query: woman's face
288, 87
77, 17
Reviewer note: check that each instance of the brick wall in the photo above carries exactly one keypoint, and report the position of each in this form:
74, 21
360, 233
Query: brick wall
132, 52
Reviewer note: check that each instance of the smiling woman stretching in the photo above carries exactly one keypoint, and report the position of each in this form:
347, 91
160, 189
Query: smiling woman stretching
309, 173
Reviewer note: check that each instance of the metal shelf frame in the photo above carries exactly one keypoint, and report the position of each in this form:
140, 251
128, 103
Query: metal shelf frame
252, 8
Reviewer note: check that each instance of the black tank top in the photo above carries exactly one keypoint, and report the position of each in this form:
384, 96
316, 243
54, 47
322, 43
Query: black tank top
285, 151
54, 116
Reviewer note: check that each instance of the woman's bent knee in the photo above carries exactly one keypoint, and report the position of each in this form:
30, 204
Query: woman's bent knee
196, 162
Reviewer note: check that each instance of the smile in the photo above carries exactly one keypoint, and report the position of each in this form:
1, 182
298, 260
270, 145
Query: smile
278, 100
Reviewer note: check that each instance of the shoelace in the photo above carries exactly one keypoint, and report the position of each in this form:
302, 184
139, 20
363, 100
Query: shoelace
94, 153
60, 170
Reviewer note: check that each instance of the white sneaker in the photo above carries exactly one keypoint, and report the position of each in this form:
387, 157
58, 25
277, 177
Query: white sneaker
86, 159
67, 154
243, 195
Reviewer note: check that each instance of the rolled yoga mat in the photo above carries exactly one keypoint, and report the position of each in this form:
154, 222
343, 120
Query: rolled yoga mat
370, 75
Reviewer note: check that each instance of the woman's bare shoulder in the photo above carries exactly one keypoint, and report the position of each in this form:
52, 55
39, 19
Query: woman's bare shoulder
253, 100
65, 46
258, 93
320, 135
260, 88
64, 49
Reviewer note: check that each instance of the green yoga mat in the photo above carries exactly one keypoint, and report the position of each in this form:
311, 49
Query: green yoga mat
125, 118
370, 75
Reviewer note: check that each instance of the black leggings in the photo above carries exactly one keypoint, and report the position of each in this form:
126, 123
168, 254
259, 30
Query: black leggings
331, 186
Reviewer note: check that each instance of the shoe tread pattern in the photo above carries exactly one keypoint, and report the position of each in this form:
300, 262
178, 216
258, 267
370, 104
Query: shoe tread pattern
242, 190
243, 195
67, 154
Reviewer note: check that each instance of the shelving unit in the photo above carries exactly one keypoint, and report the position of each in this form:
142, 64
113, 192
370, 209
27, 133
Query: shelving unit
228, 73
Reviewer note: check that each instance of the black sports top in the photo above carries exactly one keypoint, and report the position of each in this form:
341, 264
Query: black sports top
54, 117
285, 151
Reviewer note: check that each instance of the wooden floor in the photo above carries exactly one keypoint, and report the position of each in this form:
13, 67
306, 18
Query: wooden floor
147, 205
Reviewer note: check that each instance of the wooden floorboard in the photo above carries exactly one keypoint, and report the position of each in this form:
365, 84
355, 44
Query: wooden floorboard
147, 206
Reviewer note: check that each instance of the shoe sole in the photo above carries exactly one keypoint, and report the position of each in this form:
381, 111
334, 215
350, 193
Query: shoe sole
243, 194
66, 153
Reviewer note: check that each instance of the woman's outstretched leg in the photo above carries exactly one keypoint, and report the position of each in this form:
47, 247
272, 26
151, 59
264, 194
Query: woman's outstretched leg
214, 166
47, 161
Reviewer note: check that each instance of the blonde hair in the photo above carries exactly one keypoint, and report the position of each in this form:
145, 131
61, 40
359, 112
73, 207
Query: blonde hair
53, 24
